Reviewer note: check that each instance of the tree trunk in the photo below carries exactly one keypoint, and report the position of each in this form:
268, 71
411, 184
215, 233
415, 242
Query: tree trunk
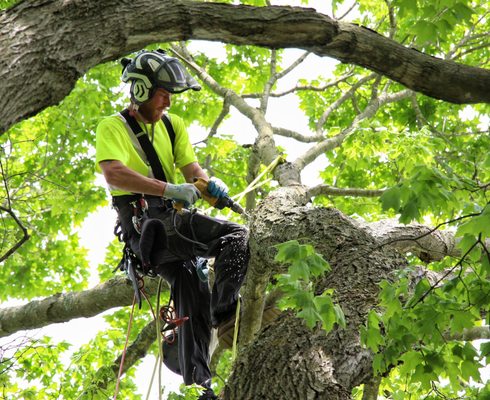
46, 45
308, 364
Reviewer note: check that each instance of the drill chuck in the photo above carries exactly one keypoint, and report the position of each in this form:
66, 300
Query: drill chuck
219, 203
228, 202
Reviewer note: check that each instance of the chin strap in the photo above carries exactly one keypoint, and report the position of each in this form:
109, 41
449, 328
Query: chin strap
135, 113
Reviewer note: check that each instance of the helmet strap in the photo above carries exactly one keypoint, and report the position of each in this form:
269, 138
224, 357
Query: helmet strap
134, 112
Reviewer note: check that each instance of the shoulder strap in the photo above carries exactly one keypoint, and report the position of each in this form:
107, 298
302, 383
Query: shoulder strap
146, 145
170, 130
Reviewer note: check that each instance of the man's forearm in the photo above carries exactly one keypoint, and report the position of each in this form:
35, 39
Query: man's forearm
193, 170
118, 175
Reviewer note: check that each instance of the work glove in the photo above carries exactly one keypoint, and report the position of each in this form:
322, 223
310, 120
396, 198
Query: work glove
185, 193
217, 188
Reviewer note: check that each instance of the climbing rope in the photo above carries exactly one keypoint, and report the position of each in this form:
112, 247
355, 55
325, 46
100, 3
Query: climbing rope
123, 356
235, 332
159, 332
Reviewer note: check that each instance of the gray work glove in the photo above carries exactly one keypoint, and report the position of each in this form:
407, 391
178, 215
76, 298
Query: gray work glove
185, 193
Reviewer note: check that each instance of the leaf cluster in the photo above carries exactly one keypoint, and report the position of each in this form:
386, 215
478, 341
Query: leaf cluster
417, 332
48, 182
297, 286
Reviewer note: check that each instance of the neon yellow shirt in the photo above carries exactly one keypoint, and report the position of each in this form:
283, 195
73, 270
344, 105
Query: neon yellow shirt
115, 141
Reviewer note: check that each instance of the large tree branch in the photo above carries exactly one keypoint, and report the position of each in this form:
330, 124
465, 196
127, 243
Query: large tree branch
62, 307
310, 363
328, 190
427, 243
43, 57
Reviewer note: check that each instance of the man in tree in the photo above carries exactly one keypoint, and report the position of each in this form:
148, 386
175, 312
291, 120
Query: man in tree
164, 240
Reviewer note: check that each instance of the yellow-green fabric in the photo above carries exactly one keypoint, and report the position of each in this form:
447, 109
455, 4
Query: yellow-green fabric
113, 142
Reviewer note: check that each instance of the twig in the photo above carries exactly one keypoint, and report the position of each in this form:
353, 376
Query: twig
21, 241
450, 271
429, 231
224, 112
347, 12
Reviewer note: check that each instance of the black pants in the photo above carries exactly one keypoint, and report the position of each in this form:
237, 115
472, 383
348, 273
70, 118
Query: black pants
208, 237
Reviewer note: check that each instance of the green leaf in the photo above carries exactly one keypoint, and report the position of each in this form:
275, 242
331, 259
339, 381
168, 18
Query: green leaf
425, 375
411, 360
477, 225
410, 212
378, 364
310, 315
461, 320
390, 199
372, 337
462, 11
303, 299
486, 265
435, 360
288, 251
469, 369
485, 351
299, 271
339, 316
317, 264
425, 31
326, 311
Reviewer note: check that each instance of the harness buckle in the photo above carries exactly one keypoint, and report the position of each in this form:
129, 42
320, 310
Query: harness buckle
143, 204
140, 207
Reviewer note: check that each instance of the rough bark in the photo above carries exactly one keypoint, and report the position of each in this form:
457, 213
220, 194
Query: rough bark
47, 45
312, 365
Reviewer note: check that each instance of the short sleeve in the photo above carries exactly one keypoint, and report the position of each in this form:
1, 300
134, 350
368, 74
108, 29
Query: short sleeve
111, 142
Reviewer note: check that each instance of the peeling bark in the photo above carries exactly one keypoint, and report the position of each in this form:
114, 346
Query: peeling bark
47, 45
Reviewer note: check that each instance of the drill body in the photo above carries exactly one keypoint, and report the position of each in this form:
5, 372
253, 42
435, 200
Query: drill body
219, 203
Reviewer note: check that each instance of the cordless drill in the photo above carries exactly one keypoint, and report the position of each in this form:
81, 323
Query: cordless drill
219, 203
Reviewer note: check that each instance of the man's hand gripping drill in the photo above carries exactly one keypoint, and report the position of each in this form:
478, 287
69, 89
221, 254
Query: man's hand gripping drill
219, 201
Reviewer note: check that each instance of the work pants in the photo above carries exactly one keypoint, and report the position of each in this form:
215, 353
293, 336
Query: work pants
190, 235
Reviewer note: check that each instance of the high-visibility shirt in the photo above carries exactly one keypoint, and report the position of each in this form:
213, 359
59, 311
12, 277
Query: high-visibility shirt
115, 141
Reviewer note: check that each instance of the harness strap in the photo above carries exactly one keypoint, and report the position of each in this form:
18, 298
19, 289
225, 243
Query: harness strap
146, 144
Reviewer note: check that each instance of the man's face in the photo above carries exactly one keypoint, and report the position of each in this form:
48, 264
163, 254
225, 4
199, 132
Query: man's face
153, 109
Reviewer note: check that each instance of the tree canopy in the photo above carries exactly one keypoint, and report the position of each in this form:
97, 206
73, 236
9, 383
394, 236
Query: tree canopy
380, 270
